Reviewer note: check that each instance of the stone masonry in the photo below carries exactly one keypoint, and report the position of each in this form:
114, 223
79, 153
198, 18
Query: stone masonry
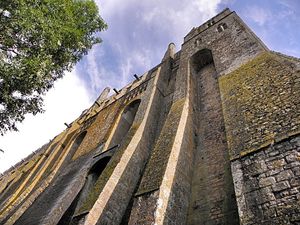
267, 184
209, 136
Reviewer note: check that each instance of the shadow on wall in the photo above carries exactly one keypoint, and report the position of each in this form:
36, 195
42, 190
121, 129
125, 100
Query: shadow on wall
73, 215
125, 122
78, 210
77, 142
201, 59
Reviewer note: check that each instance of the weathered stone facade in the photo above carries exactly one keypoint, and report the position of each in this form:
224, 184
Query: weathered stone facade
268, 184
209, 136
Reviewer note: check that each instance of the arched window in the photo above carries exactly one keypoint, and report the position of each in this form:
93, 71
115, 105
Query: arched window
210, 23
125, 122
77, 142
221, 27
75, 212
90, 181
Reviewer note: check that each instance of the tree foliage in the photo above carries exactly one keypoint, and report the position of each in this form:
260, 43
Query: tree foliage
39, 40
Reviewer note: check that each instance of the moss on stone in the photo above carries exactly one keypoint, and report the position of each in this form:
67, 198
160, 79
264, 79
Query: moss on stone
261, 101
98, 130
19, 171
157, 164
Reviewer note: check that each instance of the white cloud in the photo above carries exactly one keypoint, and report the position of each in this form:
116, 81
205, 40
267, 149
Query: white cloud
178, 17
63, 104
94, 73
138, 35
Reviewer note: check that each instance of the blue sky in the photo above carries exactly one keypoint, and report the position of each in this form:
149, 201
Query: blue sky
139, 33
137, 37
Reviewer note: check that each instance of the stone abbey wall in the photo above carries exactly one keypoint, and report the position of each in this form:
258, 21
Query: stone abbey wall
262, 95
267, 184
208, 136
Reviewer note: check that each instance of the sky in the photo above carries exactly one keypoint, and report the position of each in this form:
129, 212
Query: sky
136, 39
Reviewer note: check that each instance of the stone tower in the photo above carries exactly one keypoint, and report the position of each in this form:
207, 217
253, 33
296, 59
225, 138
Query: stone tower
209, 136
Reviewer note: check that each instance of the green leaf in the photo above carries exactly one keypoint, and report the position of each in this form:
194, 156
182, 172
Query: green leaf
39, 40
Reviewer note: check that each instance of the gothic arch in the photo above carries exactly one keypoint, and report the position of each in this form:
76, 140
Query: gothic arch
125, 122
201, 59
76, 210
77, 142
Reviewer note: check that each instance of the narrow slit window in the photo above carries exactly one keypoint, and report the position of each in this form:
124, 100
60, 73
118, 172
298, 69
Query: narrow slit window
222, 27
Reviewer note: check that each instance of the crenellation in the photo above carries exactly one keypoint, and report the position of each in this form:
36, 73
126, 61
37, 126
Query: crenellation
207, 24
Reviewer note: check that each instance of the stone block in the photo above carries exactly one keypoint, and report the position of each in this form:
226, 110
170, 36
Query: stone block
282, 194
283, 185
267, 181
294, 156
284, 175
251, 185
265, 195
296, 171
295, 182
292, 165
274, 171
256, 168
296, 141
276, 164
274, 153
270, 213
294, 191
